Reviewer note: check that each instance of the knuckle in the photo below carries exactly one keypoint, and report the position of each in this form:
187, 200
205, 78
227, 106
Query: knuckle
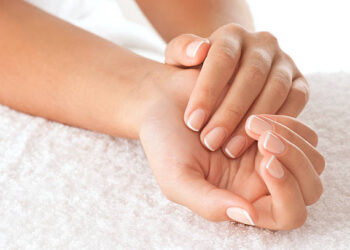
259, 63
256, 71
260, 56
233, 113
267, 37
282, 77
227, 52
207, 95
300, 95
232, 28
280, 84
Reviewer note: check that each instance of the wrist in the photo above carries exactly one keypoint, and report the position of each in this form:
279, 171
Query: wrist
163, 89
144, 86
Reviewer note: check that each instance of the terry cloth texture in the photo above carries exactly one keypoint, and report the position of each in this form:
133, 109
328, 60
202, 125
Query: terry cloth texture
67, 188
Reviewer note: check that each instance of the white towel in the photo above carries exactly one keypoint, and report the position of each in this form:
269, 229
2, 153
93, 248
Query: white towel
68, 188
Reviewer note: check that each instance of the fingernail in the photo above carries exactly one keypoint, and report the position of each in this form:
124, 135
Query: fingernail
196, 119
193, 47
240, 215
273, 144
235, 146
257, 125
214, 138
275, 167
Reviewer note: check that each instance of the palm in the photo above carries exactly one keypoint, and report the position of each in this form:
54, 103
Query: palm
176, 152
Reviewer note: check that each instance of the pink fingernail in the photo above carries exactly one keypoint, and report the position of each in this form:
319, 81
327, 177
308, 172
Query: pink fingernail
215, 138
273, 144
235, 146
275, 167
193, 47
240, 215
258, 125
196, 119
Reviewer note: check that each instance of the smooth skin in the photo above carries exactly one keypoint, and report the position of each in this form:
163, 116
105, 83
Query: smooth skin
52, 69
243, 73
210, 184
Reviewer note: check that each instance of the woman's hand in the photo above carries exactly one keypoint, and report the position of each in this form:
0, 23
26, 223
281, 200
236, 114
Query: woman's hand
269, 185
243, 73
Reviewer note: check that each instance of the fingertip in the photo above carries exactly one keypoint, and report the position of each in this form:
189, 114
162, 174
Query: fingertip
187, 50
243, 212
197, 49
240, 215
223, 205
196, 119
236, 146
270, 142
256, 125
274, 167
248, 129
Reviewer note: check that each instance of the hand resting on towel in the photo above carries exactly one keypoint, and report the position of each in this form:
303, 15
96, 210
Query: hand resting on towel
268, 186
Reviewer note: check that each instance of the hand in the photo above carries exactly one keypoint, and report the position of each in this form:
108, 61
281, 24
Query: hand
269, 185
243, 73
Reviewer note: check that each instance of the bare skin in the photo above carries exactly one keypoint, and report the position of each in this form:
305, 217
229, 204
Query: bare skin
52, 69
200, 17
209, 183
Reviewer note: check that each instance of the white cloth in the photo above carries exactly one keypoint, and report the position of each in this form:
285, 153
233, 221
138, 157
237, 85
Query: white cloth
68, 188
105, 18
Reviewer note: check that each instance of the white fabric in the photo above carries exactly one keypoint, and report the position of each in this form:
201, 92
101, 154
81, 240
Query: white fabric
105, 18
67, 188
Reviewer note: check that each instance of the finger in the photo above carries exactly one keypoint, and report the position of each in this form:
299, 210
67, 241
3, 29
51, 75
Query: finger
292, 131
269, 101
210, 202
284, 208
246, 86
297, 98
187, 50
215, 74
297, 126
296, 161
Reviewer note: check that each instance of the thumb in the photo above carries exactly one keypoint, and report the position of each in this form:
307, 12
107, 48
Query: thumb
187, 50
211, 202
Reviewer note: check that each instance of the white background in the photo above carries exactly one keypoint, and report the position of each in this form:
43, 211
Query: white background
315, 33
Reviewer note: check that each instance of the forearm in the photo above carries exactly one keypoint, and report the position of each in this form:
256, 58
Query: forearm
202, 17
52, 69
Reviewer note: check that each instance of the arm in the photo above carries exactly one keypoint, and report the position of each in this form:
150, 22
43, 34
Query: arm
52, 69
201, 17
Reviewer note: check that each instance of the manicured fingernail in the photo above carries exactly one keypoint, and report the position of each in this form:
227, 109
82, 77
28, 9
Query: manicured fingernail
273, 144
193, 47
258, 125
196, 119
235, 146
215, 138
240, 215
275, 167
